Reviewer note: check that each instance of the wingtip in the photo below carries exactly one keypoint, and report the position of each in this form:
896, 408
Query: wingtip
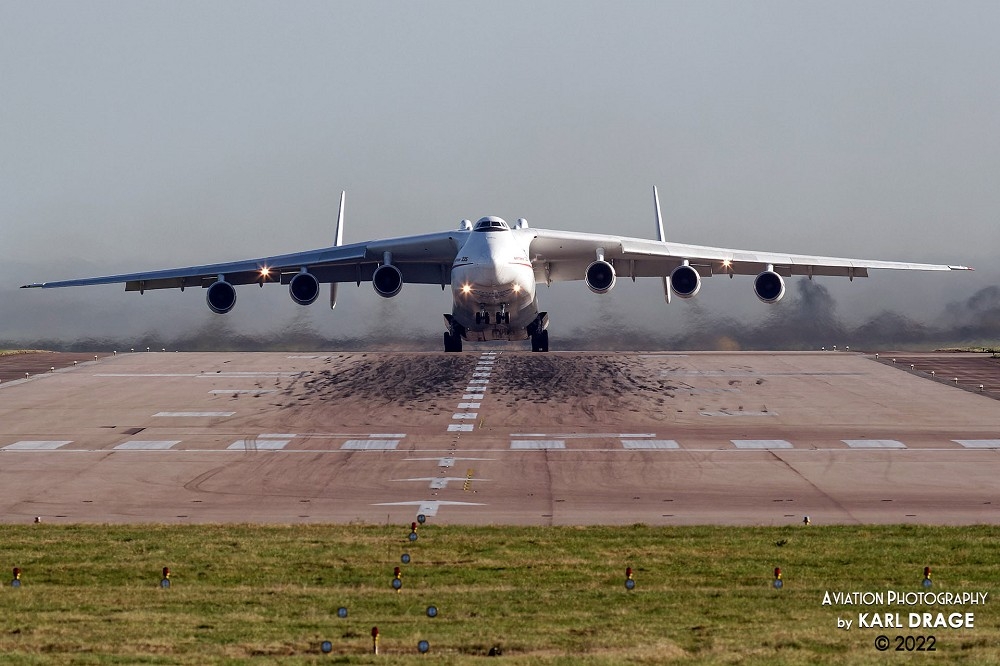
962, 268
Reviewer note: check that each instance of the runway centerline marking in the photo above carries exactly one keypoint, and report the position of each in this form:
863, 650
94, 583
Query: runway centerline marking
469, 405
461, 427
465, 415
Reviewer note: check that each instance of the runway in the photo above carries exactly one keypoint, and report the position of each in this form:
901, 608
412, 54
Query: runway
497, 438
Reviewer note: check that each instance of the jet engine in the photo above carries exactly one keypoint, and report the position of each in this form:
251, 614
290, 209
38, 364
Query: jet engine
221, 297
685, 281
304, 288
387, 280
769, 287
600, 277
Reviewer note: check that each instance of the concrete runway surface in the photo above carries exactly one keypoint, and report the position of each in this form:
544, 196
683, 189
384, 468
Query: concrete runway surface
498, 437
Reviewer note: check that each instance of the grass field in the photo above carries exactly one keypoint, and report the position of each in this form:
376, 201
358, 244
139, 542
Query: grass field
255, 594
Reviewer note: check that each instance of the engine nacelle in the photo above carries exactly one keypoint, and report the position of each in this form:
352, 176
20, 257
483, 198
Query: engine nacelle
600, 277
221, 297
304, 288
769, 287
387, 280
685, 281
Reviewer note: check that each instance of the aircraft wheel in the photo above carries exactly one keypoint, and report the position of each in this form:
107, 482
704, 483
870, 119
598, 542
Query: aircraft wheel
452, 342
540, 342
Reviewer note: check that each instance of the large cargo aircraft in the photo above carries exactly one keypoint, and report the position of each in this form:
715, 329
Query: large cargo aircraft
493, 270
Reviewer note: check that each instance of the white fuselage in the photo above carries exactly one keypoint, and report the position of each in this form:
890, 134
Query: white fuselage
493, 284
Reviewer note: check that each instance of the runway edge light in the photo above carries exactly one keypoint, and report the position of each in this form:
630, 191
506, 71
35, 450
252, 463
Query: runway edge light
927, 577
16, 582
165, 580
374, 640
778, 583
629, 581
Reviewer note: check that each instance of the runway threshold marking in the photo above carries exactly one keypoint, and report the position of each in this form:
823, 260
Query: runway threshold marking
36, 445
874, 444
650, 444
585, 435
761, 444
147, 445
242, 391
725, 413
370, 445
536, 444
978, 443
258, 445
193, 414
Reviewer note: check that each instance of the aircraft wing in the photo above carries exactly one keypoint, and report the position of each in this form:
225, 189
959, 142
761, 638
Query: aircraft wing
422, 259
564, 255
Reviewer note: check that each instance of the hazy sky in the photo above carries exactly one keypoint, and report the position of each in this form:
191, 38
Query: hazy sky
140, 135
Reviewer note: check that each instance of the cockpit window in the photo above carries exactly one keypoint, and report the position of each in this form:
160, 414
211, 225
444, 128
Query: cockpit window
490, 224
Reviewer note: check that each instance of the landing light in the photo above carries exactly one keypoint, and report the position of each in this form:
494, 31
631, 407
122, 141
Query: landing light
265, 271
466, 289
517, 289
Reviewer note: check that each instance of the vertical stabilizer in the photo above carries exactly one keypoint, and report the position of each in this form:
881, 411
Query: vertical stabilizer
338, 241
660, 237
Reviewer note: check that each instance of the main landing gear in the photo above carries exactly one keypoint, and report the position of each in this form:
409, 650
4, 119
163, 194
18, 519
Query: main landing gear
453, 336
540, 341
452, 342
539, 333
